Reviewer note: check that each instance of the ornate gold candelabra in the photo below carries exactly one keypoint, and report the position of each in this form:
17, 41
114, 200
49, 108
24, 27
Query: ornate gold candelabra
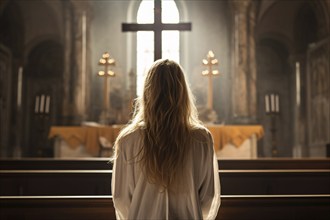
210, 61
106, 62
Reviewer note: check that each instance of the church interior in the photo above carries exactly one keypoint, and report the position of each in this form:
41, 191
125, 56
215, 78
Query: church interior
259, 70
267, 52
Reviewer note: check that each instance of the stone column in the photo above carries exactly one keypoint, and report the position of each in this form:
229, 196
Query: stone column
81, 40
76, 64
252, 80
244, 63
67, 99
297, 63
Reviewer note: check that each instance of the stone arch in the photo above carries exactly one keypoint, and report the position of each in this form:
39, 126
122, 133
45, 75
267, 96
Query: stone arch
44, 73
45, 60
12, 28
305, 28
322, 13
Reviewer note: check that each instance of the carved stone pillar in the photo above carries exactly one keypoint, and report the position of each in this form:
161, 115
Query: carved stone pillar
298, 63
244, 63
81, 40
252, 63
67, 99
76, 41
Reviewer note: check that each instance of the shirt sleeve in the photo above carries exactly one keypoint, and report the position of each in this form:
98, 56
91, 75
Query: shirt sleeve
121, 186
209, 191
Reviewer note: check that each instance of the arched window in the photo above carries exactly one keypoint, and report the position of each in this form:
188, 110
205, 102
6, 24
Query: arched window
145, 39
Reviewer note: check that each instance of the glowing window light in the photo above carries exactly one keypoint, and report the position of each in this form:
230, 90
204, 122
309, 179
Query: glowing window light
145, 39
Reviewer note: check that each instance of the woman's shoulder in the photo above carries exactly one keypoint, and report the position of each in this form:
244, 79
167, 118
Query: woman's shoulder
201, 133
202, 143
129, 143
131, 135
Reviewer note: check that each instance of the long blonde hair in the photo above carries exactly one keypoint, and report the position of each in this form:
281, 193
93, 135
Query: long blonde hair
166, 115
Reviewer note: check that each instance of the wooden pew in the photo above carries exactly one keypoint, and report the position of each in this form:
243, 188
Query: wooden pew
251, 189
98, 182
103, 164
283, 207
93, 177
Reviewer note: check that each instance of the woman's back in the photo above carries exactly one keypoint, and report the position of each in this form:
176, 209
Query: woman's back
194, 194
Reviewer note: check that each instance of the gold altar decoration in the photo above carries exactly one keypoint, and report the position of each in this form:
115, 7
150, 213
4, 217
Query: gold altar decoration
89, 135
233, 134
106, 62
209, 62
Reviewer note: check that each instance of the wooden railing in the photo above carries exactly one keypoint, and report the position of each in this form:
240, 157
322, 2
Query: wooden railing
279, 207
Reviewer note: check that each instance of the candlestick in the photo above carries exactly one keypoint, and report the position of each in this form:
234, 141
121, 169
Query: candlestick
210, 62
106, 62
272, 106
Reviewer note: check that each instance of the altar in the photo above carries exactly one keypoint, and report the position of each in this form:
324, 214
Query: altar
81, 141
236, 141
230, 141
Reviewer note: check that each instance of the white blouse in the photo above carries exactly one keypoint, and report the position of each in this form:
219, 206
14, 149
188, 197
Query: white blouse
135, 198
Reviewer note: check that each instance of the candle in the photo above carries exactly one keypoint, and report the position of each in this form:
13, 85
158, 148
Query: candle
42, 103
19, 86
298, 84
83, 59
277, 101
47, 104
36, 107
267, 103
272, 102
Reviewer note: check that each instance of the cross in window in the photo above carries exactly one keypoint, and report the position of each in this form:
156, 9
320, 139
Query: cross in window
157, 27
